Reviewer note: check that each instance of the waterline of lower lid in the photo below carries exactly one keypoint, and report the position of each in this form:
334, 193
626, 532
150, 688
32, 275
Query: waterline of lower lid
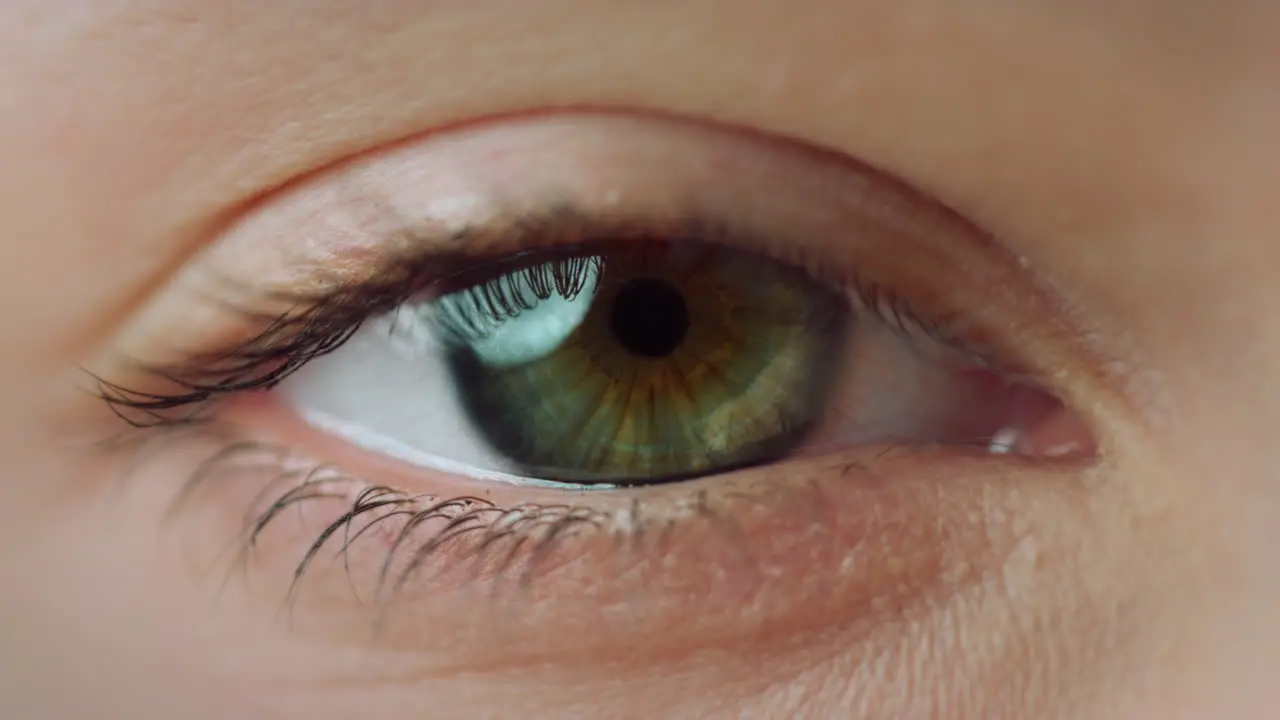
361, 437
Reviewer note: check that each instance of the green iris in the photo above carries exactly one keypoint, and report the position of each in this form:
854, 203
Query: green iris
645, 362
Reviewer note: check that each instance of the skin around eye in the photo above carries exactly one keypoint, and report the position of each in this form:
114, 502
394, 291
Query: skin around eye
1126, 148
836, 547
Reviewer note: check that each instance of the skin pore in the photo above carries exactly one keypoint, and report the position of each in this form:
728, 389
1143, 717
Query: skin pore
1126, 152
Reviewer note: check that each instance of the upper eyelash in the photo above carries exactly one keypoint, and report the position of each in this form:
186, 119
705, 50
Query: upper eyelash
902, 318
314, 325
475, 312
287, 343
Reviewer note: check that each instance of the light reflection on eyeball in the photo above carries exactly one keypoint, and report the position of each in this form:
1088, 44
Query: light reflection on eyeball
636, 363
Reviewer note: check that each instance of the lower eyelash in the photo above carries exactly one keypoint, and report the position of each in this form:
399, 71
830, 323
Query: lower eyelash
526, 532
487, 570
393, 545
471, 539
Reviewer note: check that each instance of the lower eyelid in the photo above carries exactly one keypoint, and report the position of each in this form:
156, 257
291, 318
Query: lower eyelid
841, 544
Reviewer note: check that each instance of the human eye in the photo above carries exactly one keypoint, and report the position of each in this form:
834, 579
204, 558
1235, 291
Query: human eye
630, 371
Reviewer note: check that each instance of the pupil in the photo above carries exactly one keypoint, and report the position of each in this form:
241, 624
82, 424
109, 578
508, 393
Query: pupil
649, 318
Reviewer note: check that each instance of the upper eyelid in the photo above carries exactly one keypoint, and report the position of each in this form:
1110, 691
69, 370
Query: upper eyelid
361, 219
359, 222
298, 328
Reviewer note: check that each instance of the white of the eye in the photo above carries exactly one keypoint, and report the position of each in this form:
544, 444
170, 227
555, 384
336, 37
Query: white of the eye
361, 436
388, 390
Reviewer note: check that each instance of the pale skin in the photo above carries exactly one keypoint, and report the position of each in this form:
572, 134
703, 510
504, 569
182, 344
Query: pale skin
1128, 151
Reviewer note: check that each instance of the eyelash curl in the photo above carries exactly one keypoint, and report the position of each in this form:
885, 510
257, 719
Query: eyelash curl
476, 312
